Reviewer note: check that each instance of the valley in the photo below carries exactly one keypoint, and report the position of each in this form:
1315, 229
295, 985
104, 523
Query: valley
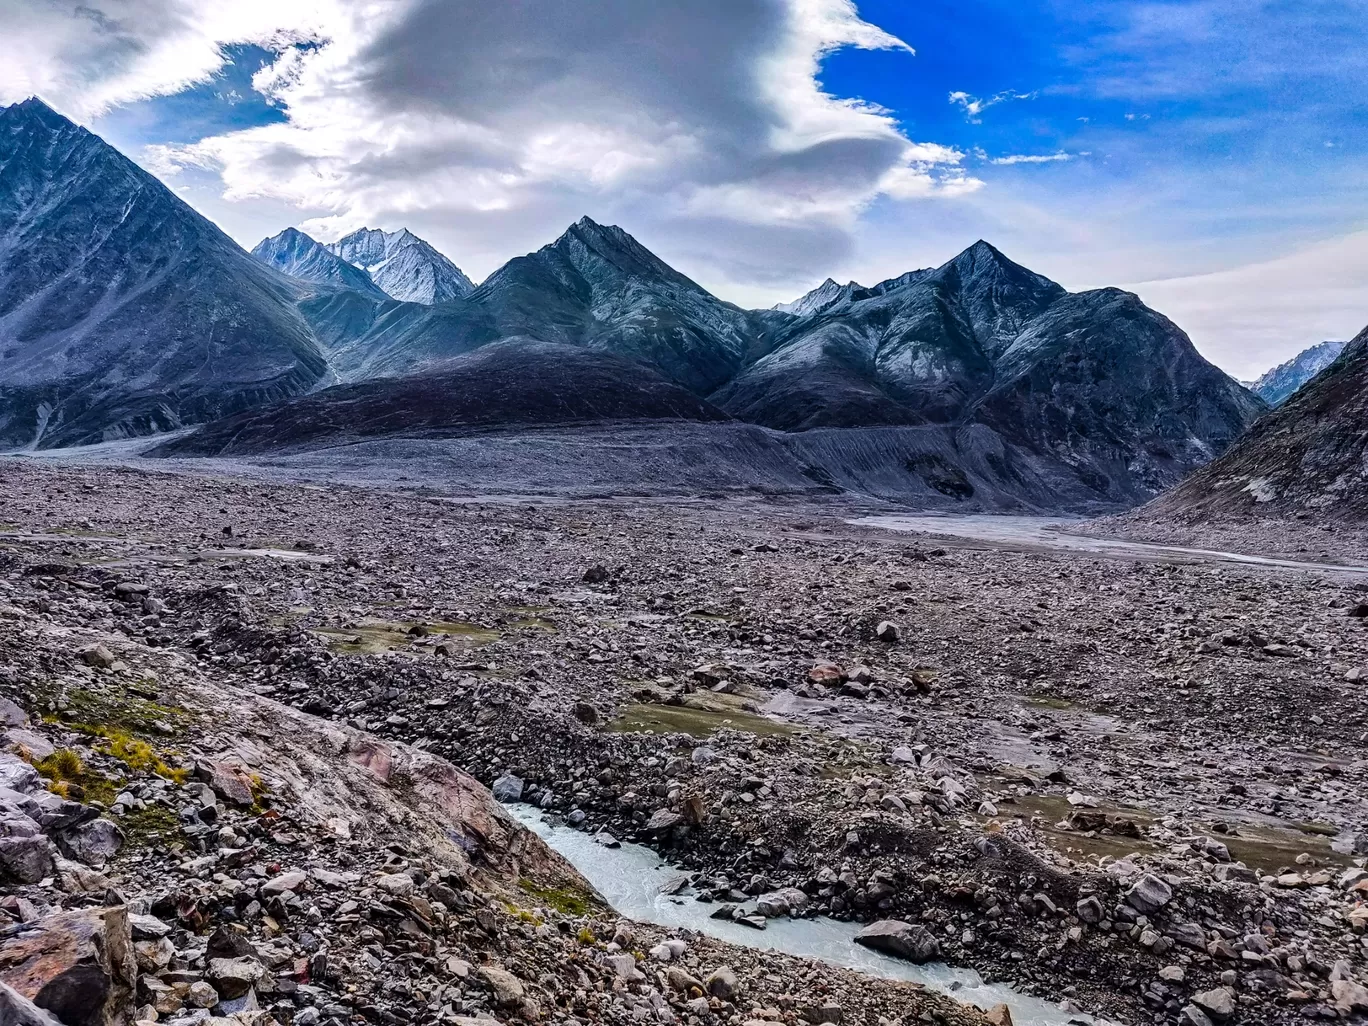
1132, 786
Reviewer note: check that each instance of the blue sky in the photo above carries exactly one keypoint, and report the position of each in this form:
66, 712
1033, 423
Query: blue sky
1210, 154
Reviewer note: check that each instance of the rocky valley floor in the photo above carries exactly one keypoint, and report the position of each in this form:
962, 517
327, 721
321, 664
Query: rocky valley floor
255, 719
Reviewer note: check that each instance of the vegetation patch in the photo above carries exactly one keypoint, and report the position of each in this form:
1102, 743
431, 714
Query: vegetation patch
564, 900
70, 778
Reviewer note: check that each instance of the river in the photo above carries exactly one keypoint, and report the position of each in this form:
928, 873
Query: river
631, 878
1053, 533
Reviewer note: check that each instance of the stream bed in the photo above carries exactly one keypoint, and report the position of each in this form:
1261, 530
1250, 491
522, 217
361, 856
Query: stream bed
1053, 533
631, 879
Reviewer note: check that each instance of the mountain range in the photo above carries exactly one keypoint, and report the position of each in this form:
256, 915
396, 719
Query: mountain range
172, 323
1278, 384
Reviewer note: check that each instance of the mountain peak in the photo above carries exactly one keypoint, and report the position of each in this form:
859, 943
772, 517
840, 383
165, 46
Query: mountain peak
301, 256
405, 266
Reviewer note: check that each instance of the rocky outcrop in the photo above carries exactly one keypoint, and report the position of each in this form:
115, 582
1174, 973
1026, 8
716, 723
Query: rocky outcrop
1277, 385
77, 965
1303, 462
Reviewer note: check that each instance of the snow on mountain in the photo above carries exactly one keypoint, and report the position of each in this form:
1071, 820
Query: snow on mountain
405, 266
296, 254
1277, 386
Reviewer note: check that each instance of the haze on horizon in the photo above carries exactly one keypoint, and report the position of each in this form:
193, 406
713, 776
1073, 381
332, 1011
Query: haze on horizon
1209, 154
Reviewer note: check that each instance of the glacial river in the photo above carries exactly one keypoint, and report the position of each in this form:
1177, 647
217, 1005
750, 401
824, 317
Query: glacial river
1053, 533
631, 879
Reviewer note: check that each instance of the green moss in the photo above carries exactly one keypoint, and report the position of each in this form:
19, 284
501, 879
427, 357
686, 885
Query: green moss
563, 900
122, 708
147, 826
376, 637
678, 719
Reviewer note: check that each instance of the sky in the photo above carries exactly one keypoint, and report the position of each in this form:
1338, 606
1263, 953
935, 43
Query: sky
1211, 155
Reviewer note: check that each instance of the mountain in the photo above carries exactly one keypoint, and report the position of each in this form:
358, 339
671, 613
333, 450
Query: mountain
405, 266
820, 299
595, 287
1097, 380
1307, 458
1278, 384
122, 310
516, 382
296, 254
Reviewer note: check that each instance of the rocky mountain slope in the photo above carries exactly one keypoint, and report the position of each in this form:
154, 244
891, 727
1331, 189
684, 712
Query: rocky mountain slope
296, 254
183, 843
122, 310
405, 266
595, 287
1105, 400
1277, 385
514, 382
791, 710
1020, 393
1306, 459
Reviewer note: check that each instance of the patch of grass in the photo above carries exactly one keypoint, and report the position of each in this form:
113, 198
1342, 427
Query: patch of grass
678, 719
135, 753
70, 778
563, 900
122, 708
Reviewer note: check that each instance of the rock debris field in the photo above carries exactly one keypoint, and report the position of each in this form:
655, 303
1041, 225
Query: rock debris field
248, 730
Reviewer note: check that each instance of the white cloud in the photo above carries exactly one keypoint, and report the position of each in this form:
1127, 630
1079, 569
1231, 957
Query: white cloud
698, 124
974, 106
1031, 158
1252, 317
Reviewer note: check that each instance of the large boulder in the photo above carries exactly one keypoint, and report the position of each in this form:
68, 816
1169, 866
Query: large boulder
903, 940
78, 965
17, 1010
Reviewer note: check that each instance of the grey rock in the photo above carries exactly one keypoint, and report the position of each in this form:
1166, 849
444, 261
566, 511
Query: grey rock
1149, 894
905, 940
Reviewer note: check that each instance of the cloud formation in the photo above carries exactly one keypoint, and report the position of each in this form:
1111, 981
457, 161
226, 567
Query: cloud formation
489, 127
974, 106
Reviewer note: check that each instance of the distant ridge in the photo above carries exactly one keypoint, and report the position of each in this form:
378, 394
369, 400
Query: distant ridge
1277, 385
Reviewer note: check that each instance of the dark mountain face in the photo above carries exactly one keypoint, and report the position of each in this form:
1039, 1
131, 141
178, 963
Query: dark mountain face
1104, 382
596, 287
1277, 385
1096, 380
296, 254
122, 311
1307, 458
517, 382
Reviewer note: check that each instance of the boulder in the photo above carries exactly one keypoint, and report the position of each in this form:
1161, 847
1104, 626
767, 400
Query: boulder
722, 983
905, 940
17, 1010
77, 965
1149, 894
230, 781
1218, 1003
25, 860
508, 788
92, 843
663, 819
234, 977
